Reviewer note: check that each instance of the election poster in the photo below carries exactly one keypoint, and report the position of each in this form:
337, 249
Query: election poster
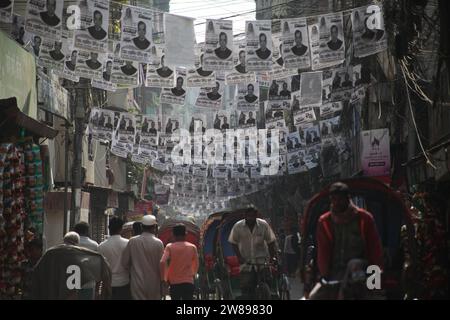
375, 154
93, 32
369, 35
341, 84
239, 171
247, 119
312, 157
312, 134
303, 116
212, 97
177, 94
295, 44
247, 96
197, 124
125, 72
294, 142
331, 110
101, 124
280, 94
136, 34
218, 45
279, 69
18, 32
330, 128
89, 64
326, 38
160, 76
274, 119
199, 77
44, 18
148, 145
221, 120
105, 83
70, 64
6, 11
239, 74
296, 162
51, 55
259, 45
311, 89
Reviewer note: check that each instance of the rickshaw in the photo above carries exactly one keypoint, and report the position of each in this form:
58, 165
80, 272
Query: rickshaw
165, 233
390, 214
224, 266
208, 238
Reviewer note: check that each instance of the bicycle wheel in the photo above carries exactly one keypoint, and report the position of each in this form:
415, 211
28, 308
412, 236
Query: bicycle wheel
262, 291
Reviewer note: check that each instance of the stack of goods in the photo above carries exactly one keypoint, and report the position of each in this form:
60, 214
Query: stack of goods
34, 187
12, 181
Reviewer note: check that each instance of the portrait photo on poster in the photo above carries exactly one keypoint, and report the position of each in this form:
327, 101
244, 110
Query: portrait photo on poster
43, 18
218, 45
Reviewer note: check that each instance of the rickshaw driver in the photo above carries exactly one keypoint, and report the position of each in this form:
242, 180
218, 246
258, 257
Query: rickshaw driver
253, 241
344, 233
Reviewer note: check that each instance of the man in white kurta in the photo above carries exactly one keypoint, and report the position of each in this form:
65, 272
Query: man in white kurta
142, 256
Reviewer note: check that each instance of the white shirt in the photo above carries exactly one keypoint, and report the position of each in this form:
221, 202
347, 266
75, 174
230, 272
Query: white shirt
252, 244
88, 243
142, 256
112, 250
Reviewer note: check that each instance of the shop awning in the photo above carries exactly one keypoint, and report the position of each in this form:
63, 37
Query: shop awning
13, 119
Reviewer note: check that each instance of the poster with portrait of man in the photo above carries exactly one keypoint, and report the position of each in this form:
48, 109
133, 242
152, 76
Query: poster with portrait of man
176, 95
296, 162
280, 94
6, 11
93, 32
124, 135
247, 96
326, 38
125, 72
90, 64
198, 77
220, 172
294, 142
330, 128
311, 89
148, 145
369, 35
70, 63
102, 124
44, 18
18, 32
239, 74
246, 119
274, 118
197, 123
359, 89
312, 134
221, 120
342, 84
312, 157
303, 116
258, 45
279, 69
105, 83
51, 55
218, 45
160, 76
295, 44
136, 34
212, 97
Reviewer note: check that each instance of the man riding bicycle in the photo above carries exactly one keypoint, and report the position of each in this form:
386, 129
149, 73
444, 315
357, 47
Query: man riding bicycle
345, 235
254, 242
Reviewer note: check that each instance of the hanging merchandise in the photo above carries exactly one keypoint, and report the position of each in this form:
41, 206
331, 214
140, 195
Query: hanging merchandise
44, 18
326, 38
177, 94
136, 34
258, 45
369, 36
218, 45
92, 35
295, 45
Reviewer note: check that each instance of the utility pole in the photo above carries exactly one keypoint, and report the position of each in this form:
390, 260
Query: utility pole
80, 107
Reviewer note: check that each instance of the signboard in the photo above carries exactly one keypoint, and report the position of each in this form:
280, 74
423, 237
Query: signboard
375, 153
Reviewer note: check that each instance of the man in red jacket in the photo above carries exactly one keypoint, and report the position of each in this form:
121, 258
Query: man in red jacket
345, 233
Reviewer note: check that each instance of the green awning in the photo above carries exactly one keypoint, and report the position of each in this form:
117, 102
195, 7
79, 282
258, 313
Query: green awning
18, 75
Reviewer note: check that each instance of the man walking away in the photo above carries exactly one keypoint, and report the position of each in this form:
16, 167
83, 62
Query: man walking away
82, 228
112, 250
142, 257
182, 267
